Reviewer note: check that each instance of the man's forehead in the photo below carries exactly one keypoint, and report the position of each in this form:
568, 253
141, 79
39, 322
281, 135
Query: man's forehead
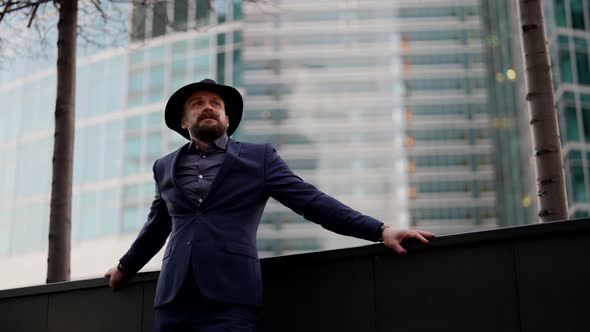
204, 94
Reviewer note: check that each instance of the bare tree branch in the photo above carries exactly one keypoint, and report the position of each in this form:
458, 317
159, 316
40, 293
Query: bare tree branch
97, 4
32, 16
105, 22
6, 7
22, 5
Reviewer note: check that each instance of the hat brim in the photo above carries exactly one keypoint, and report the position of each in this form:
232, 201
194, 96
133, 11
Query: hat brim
232, 99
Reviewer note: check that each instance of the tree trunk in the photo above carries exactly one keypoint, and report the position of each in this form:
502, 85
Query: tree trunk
552, 197
60, 220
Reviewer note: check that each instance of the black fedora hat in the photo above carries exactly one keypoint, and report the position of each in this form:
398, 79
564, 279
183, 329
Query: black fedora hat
231, 97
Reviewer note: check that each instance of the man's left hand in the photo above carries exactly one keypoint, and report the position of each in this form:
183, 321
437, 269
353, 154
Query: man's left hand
393, 238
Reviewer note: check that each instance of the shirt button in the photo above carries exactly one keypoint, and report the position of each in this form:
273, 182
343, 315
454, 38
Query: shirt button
189, 242
200, 176
200, 200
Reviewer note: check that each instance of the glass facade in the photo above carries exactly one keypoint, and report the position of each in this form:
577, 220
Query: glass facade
120, 130
381, 104
393, 107
448, 138
323, 86
514, 179
568, 24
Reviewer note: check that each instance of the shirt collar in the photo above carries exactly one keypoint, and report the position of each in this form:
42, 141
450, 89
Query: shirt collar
220, 143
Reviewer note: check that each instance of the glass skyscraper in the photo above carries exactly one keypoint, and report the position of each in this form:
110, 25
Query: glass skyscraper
120, 132
322, 82
509, 125
568, 30
568, 33
448, 138
382, 104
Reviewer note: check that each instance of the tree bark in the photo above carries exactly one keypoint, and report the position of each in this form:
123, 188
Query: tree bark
60, 219
551, 191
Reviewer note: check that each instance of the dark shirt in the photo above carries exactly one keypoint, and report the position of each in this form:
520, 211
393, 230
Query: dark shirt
197, 169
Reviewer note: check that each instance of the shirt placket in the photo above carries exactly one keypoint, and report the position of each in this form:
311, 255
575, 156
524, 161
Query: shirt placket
199, 180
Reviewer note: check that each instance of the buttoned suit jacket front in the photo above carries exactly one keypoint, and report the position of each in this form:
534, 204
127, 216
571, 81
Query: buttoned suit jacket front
218, 237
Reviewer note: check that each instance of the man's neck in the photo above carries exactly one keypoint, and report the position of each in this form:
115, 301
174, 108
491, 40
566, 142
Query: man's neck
200, 144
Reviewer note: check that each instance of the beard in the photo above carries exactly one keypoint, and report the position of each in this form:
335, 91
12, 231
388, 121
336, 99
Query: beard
208, 133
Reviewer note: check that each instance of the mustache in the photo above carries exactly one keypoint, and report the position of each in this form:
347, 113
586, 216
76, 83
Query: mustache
208, 115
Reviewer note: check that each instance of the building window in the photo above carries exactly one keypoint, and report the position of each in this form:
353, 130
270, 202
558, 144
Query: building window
579, 189
237, 10
571, 120
180, 14
89, 216
202, 13
565, 66
560, 17
132, 155
221, 9
577, 12
136, 83
110, 211
201, 65
156, 83
221, 68
221, 39
582, 62
160, 19
237, 37
130, 219
153, 145
237, 71
90, 153
586, 122
138, 23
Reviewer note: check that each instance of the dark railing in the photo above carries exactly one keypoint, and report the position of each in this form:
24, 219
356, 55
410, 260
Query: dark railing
528, 278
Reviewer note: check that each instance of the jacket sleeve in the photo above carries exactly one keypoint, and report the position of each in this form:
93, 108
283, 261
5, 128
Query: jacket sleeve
304, 199
152, 236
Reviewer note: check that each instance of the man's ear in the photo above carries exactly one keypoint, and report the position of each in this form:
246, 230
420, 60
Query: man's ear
183, 123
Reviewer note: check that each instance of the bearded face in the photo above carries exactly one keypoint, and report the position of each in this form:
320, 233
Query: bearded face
204, 116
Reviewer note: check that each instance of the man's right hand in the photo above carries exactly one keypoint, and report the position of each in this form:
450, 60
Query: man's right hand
116, 277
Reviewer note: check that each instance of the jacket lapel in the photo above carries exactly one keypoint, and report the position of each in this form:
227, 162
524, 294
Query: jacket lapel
175, 158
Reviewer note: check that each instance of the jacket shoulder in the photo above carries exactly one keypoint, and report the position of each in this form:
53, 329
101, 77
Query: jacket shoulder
167, 159
253, 146
253, 150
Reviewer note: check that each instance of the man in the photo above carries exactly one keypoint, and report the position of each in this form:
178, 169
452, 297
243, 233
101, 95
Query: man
210, 195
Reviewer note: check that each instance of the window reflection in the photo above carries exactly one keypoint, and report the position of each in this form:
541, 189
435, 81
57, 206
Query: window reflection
110, 200
582, 60
89, 216
113, 151
577, 12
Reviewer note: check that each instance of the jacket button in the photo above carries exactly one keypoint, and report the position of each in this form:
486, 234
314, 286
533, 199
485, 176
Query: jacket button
189, 242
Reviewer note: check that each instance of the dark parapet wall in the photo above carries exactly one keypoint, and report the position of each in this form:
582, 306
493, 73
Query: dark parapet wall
527, 278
